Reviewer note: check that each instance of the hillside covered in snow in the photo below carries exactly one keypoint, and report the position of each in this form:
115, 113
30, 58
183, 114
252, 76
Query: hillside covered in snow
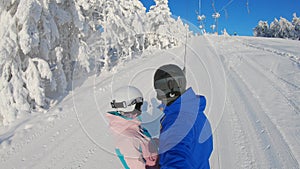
252, 89
60, 60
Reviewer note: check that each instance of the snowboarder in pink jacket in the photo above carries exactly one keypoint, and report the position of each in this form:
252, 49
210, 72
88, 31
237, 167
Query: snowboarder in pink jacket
132, 141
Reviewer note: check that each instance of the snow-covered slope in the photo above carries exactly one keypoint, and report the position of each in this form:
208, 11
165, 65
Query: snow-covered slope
252, 87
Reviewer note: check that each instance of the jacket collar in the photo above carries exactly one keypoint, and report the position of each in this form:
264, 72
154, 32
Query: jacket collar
186, 102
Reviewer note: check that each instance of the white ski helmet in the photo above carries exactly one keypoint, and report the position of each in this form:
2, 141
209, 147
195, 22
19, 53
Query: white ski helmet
127, 99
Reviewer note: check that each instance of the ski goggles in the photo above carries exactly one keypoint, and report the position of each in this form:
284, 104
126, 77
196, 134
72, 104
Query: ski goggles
123, 104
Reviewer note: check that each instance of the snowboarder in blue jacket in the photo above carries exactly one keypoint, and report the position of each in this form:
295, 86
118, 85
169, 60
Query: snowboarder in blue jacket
185, 140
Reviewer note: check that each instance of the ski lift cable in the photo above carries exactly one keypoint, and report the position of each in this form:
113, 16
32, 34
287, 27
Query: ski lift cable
185, 52
225, 6
247, 4
200, 5
185, 45
226, 13
213, 5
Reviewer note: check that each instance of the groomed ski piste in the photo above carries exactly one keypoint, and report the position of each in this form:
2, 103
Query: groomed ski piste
252, 86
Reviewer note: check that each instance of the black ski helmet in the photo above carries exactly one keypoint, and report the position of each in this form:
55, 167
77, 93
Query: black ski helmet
169, 82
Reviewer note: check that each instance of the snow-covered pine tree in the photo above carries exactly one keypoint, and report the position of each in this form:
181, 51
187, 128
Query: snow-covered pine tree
296, 23
164, 31
120, 31
287, 29
37, 52
262, 29
120, 23
158, 15
275, 28
20, 39
282, 28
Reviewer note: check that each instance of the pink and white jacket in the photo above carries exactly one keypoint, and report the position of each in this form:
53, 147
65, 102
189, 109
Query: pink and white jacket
132, 142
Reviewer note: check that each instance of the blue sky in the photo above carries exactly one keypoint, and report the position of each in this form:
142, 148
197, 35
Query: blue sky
236, 16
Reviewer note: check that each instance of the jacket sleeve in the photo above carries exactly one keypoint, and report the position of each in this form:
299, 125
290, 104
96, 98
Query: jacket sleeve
149, 149
176, 145
150, 158
175, 158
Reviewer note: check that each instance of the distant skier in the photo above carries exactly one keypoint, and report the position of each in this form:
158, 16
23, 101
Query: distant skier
132, 141
185, 140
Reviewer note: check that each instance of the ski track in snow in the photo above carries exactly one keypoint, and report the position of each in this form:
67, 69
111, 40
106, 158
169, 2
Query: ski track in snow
278, 53
279, 153
268, 137
289, 55
246, 132
258, 67
239, 147
275, 83
259, 127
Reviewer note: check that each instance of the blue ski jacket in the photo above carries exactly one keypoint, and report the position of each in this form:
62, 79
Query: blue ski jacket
185, 138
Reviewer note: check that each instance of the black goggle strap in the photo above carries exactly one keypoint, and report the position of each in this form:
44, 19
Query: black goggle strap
123, 104
137, 100
115, 104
